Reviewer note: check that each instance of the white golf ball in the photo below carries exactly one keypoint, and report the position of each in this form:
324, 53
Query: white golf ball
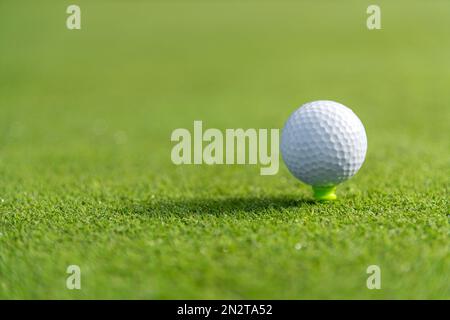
323, 143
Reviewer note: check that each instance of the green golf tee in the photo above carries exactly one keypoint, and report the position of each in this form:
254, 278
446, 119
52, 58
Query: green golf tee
324, 193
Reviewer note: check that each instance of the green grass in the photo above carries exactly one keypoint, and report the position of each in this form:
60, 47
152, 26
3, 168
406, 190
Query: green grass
85, 170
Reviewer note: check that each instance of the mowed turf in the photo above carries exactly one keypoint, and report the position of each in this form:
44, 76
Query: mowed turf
86, 177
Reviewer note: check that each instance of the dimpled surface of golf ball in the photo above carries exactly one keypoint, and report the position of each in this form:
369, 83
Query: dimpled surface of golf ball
323, 143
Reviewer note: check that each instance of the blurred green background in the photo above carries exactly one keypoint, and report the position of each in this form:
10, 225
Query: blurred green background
85, 172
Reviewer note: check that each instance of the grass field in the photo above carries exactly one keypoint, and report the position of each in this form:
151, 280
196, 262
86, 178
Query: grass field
86, 177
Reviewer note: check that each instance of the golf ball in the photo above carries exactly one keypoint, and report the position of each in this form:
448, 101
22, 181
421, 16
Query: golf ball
323, 143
